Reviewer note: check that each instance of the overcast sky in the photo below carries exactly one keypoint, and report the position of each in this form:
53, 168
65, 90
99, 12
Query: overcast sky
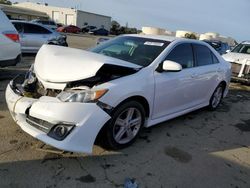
227, 17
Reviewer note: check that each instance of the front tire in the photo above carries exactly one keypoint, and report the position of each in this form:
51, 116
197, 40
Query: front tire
216, 98
125, 125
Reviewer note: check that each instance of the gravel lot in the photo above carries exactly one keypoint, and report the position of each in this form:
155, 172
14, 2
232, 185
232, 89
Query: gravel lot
201, 149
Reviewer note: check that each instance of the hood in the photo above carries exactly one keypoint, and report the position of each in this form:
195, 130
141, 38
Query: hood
62, 64
236, 57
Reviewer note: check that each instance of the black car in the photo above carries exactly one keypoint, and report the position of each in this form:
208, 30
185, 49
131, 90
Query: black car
101, 31
88, 28
220, 47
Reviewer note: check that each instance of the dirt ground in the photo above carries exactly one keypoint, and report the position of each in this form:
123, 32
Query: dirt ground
201, 149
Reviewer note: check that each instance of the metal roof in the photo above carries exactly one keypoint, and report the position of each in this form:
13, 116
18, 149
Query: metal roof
19, 10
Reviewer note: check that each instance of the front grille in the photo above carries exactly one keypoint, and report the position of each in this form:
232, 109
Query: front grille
39, 124
236, 68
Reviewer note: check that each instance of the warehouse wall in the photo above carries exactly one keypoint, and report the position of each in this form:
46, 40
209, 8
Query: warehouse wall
93, 19
62, 13
69, 16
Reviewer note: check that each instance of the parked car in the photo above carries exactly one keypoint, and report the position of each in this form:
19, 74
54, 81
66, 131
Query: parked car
220, 47
48, 23
239, 57
59, 25
10, 49
101, 40
101, 31
88, 28
33, 36
69, 29
70, 96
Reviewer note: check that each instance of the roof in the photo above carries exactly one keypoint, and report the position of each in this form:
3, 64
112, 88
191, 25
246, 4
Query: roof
167, 38
94, 13
30, 4
20, 10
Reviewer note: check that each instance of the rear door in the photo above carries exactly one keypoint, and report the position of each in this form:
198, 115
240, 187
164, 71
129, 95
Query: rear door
35, 36
208, 72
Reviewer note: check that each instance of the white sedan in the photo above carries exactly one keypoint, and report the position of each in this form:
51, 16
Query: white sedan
70, 96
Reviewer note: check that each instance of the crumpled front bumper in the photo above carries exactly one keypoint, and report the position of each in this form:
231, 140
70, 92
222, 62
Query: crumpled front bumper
88, 119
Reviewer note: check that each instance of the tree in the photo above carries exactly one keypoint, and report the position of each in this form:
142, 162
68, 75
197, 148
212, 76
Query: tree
115, 26
6, 2
190, 36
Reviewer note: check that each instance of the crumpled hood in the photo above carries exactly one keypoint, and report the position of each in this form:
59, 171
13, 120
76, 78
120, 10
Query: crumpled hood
62, 64
236, 57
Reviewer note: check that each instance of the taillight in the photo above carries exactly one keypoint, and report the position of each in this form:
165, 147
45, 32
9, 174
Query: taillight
13, 36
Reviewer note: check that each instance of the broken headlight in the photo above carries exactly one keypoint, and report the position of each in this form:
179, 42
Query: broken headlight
81, 95
30, 76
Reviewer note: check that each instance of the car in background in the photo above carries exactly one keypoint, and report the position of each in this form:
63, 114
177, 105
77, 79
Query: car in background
220, 47
101, 31
48, 23
69, 29
59, 25
88, 28
239, 57
10, 49
70, 96
101, 40
33, 36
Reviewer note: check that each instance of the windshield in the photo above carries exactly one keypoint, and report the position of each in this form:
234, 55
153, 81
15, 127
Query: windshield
137, 50
47, 22
242, 48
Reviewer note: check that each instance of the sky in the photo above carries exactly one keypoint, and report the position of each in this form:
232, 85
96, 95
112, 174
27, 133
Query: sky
227, 17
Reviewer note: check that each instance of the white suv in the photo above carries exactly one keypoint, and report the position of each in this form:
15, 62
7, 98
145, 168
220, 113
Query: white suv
239, 57
10, 53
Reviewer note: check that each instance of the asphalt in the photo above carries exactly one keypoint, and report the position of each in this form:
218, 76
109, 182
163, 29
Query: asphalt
201, 149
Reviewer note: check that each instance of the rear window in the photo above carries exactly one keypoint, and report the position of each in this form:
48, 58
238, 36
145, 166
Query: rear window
47, 22
18, 26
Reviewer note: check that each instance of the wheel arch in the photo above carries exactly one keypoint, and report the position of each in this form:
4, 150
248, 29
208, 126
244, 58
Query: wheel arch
224, 84
142, 100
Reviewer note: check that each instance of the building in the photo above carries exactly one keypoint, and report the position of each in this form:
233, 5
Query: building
22, 13
69, 16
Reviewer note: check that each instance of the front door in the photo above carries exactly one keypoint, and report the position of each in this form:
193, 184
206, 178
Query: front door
175, 91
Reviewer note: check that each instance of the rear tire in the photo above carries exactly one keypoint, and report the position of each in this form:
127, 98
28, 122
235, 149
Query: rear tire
216, 98
124, 126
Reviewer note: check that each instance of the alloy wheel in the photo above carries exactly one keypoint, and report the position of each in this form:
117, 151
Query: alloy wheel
127, 125
217, 97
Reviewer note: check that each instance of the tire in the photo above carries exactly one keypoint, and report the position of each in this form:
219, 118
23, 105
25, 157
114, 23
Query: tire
216, 98
121, 131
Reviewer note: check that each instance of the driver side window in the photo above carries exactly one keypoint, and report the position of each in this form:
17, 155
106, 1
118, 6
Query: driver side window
182, 54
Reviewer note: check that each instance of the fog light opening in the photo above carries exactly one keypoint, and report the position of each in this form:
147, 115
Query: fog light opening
60, 132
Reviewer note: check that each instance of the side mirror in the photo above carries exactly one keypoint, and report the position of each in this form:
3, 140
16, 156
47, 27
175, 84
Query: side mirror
171, 66
227, 51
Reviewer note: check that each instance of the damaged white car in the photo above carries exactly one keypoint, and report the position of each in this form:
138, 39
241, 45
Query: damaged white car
71, 96
239, 57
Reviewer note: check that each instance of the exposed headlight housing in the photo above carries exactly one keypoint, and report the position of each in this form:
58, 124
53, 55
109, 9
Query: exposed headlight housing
30, 76
81, 95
